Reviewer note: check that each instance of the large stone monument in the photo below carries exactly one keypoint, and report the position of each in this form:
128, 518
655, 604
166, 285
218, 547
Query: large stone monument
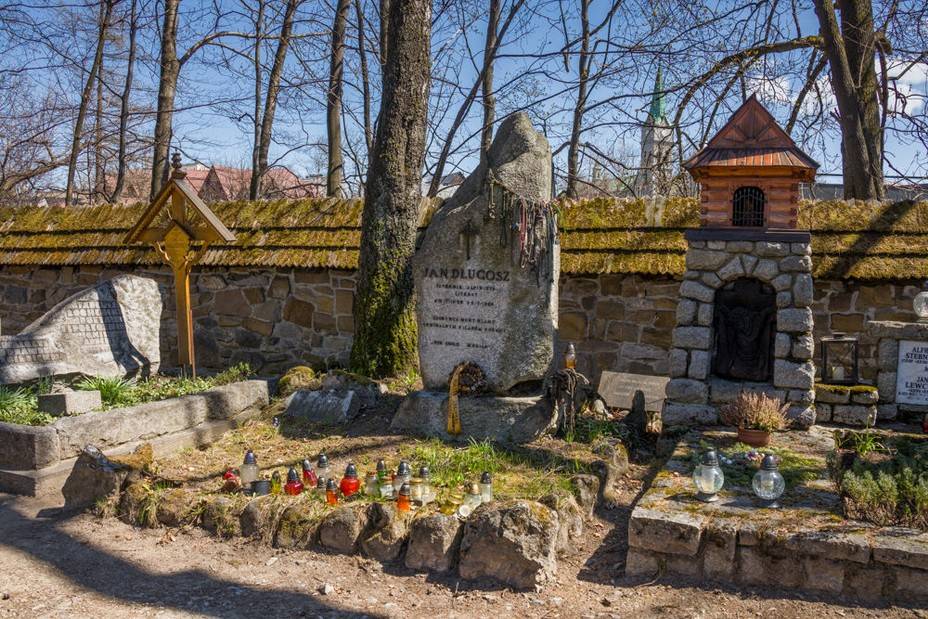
486, 278
112, 329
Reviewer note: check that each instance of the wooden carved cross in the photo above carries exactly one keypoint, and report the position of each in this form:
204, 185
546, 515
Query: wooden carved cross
470, 230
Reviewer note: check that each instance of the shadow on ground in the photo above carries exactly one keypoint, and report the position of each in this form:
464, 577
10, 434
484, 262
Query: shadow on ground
193, 591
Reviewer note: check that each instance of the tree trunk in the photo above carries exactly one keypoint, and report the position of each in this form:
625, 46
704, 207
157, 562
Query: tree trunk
99, 167
106, 10
365, 78
583, 66
254, 183
489, 101
167, 89
851, 52
124, 107
385, 324
270, 101
336, 172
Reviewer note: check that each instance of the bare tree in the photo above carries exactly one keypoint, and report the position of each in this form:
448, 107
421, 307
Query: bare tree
385, 326
106, 10
263, 137
336, 172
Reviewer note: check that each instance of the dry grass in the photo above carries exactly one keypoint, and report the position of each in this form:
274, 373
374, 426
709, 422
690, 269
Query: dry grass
755, 411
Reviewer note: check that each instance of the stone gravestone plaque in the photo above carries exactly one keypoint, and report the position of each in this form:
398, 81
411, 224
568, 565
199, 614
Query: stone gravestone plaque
481, 299
912, 373
618, 389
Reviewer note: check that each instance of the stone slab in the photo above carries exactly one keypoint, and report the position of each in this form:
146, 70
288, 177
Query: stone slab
69, 402
27, 447
619, 388
499, 419
676, 533
912, 373
48, 481
147, 421
326, 407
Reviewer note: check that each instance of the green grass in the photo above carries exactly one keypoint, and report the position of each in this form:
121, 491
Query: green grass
795, 468
20, 405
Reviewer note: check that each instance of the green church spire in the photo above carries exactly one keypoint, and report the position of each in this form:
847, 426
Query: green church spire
657, 114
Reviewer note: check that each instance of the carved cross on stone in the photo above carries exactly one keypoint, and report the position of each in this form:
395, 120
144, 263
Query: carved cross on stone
470, 230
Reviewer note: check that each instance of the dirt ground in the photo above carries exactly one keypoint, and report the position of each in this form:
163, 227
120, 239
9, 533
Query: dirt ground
56, 565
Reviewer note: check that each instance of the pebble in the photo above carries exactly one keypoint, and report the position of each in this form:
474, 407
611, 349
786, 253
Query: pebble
326, 589
5, 596
271, 561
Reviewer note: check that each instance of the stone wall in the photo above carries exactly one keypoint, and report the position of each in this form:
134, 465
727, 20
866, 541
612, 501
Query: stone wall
276, 318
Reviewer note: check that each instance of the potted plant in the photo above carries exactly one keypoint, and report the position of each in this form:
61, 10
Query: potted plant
756, 415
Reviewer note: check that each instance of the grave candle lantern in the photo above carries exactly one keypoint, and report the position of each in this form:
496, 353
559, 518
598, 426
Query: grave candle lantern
403, 500
428, 491
277, 484
331, 492
321, 483
473, 499
309, 475
415, 490
386, 488
486, 487
403, 475
350, 483
708, 477
570, 358
322, 466
768, 483
371, 485
381, 470
294, 486
249, 469
839, 359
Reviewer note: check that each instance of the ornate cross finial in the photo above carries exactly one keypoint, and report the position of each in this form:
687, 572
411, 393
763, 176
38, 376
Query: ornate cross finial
175, 163
470, 230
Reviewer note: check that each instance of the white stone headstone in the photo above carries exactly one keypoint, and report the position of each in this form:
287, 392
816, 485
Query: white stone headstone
912, 373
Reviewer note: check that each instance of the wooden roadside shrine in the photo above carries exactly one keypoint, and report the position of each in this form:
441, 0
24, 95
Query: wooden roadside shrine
180, 227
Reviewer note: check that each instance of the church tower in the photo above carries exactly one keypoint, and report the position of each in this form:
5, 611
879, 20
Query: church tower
654, 173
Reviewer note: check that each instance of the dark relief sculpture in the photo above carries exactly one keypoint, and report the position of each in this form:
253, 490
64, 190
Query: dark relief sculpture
744, 325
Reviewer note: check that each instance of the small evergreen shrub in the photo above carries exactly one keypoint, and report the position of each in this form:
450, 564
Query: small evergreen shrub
755, 411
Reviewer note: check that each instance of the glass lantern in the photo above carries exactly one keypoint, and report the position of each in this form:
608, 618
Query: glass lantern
249, 469
708, 478
920, 306
768, 484
839, 359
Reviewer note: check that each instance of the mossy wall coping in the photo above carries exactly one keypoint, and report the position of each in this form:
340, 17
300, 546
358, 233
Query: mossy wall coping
850, 239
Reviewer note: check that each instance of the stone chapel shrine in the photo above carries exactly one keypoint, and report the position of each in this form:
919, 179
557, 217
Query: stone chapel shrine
744, 319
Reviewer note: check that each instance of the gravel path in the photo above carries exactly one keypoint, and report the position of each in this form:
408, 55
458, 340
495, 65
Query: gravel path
81, 566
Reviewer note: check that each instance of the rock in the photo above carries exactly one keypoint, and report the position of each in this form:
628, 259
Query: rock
854, 414
257, 519
500, 419
664, 532
297, 377
94, 477
69, 402
326, 589
678, 362
586, 490
795, 320
793, 375
838, 395
512, 335
221, 516
176, 507
296, 527
692, 337
694, 290
686, 390
705, 260
387, 532
699, 364
126, 313
803, 290
570, 522
325, 407
434, 541
341, 528
675, 414
514, 542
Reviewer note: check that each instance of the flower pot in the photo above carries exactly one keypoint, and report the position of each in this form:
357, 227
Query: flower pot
754, 438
